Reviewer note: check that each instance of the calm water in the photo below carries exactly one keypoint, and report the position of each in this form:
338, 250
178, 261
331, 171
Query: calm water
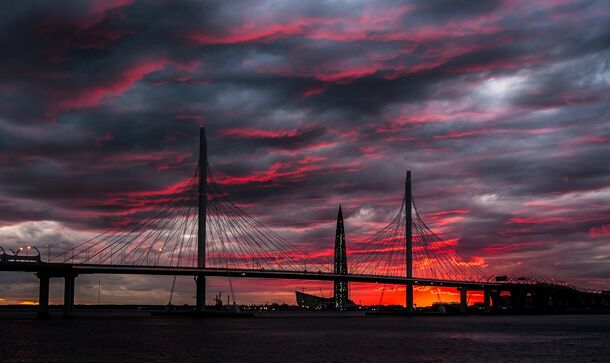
295, 337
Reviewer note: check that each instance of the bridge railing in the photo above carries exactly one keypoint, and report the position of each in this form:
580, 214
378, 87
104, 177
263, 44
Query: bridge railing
14, 256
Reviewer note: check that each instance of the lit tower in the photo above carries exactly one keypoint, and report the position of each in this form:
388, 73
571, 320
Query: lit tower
341, 286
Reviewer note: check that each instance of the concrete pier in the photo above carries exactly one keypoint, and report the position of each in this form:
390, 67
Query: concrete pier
69, 295
43, 295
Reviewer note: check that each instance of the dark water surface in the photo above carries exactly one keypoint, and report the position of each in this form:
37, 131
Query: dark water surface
313, 338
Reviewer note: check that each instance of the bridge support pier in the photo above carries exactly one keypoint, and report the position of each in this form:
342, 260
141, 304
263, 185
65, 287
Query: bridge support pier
541, 301
496, 299
69, 295
463, 300
200, 296
43, 295
487, 300
517, 297
410, 297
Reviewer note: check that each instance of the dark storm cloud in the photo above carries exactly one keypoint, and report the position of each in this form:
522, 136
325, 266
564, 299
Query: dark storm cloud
454, 9
499, 107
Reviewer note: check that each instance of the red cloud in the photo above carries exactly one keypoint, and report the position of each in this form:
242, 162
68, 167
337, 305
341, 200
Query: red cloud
603, 230
251, 32
544, 220
446, 212
512, 246
293, 171
370, 22
160, 159
99, 6
312, 91
101, 140
347, 74
257, 133
93, 95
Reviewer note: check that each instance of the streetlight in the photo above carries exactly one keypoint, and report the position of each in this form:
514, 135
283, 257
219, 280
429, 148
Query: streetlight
159, 255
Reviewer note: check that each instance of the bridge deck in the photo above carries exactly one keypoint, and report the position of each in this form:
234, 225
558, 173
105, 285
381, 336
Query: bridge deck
61, 269
65, 269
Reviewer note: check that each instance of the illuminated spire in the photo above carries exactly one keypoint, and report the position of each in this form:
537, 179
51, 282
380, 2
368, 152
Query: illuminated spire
340, 265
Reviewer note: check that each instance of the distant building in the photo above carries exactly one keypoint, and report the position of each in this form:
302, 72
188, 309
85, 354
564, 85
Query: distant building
341, 300
340, 266
313, 302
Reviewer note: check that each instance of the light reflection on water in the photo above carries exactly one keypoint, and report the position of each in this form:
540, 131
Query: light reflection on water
491, 337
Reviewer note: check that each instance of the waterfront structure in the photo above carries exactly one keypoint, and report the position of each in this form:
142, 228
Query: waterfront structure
195, 230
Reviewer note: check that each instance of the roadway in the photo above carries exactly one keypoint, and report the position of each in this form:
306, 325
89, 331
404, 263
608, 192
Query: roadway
63, 269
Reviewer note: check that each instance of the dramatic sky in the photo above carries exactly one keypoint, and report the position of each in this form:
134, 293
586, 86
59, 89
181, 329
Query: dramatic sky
500, 108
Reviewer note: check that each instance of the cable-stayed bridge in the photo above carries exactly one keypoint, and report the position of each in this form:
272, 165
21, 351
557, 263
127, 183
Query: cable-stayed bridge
194, 229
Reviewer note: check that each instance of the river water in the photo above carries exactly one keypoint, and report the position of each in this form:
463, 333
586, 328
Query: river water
307, 337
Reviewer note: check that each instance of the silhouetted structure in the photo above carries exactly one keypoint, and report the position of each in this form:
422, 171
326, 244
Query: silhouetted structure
195, 230
340, 265
409, 240
201, 217
313, 302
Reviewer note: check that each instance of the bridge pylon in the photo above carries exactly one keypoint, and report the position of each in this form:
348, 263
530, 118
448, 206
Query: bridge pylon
201, 226
409, 241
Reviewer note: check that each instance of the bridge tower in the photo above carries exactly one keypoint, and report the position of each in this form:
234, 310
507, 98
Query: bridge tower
340, 265
409, 241
203, 183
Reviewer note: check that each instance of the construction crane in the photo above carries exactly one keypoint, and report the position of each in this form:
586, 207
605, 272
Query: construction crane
235, 306
171, 294
441, 306
219, 299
